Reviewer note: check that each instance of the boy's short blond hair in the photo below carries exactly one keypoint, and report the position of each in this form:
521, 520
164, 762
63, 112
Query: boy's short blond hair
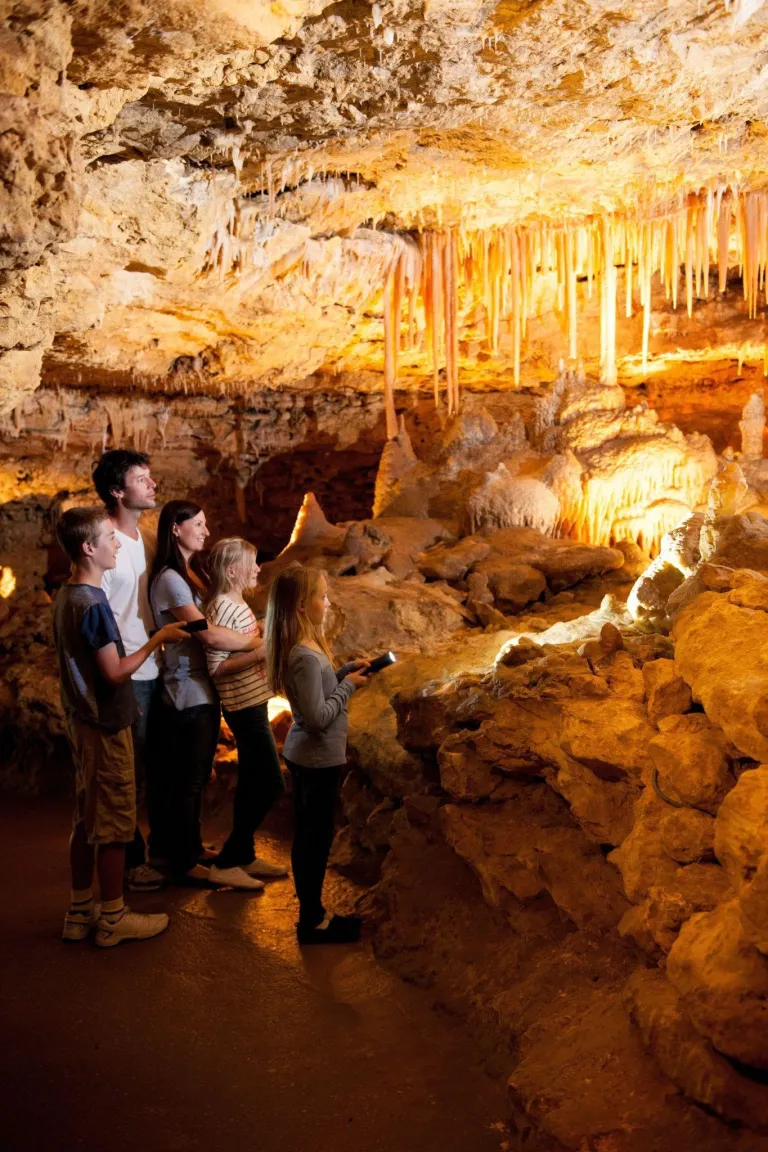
78, 526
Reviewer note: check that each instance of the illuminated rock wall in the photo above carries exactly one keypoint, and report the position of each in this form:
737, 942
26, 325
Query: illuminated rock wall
571, 843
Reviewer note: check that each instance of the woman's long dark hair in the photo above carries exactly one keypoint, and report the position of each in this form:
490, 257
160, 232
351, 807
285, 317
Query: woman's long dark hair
168, 554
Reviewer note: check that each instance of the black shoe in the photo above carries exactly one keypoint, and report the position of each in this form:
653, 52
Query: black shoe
341, 930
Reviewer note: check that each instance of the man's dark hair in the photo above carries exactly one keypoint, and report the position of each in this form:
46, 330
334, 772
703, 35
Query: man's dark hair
110, 472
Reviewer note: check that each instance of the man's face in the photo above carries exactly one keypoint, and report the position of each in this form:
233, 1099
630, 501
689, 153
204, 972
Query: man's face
103, 549
139, 489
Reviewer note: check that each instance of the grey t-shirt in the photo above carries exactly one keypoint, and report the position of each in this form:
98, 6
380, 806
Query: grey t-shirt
318, 736
185, 670
83, 623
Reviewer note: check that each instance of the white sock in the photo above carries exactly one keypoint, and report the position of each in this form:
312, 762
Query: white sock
112, 910
81, 900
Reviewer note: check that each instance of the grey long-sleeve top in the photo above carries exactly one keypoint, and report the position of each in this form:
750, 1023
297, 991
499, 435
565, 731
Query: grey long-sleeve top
318, 698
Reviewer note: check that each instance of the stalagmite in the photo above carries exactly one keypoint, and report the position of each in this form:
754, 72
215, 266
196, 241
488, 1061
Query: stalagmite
752, 426
397, 460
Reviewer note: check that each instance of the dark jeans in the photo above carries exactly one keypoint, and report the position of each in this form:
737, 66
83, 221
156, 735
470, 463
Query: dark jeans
147, 693
315, 792
188, 739
259, 781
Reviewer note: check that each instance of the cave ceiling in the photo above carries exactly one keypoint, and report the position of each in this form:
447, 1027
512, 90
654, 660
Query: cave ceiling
142, 142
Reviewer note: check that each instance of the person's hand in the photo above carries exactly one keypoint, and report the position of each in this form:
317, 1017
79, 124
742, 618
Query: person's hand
172, 633
254, 641
358, 678
359, 665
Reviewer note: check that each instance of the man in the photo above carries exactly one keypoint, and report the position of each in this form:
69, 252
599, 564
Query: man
99, 708
123, 481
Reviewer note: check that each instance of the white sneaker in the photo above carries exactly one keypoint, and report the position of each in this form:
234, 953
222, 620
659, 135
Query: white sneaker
144, 879
259, 867
130, 926
78, 926
234, 878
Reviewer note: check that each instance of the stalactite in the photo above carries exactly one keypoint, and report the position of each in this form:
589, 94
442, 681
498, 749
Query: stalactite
495, 271
608, 304
516, 318
570, 280
437, 313
390, 351
450, 301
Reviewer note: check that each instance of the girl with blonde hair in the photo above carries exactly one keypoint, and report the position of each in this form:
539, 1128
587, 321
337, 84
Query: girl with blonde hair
241, 681
299, 666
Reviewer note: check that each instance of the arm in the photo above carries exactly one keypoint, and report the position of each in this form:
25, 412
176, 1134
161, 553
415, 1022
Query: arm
214, 636
117, 669
223, 616
350, 666
317, 710
238, 662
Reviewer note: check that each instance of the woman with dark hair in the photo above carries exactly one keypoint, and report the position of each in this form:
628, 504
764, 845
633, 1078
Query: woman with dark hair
191, 717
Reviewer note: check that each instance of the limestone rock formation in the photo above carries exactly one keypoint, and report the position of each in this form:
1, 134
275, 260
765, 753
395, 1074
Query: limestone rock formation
752, 426
668, 694
729, 678
689, 755
688, 1058
723, 983
487, 279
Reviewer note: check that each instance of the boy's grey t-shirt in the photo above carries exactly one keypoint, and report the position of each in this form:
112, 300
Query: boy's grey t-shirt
83, 622
318, 736
185, 669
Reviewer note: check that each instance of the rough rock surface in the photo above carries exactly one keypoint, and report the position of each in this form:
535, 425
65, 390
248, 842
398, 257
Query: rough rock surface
723, 982
147, 142
202, 213
561, 752
729, 675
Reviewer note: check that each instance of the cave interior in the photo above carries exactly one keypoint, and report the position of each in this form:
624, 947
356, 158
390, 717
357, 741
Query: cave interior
464, 302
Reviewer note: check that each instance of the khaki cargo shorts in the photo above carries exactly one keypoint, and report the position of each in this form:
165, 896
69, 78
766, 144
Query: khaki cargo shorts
105, 783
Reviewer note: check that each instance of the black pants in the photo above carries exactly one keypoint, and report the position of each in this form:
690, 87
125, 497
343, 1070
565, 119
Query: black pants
147, 693
188, 739
315, 792
259, 781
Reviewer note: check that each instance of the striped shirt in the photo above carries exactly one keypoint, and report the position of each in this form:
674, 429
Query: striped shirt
237, 689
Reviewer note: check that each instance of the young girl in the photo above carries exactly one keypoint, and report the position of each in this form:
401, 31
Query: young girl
299, 665
190, 716
241, 681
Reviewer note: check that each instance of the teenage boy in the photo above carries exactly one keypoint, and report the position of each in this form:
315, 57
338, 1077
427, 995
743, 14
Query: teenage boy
99, 708
124, 483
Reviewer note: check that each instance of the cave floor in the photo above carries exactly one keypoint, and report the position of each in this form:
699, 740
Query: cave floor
219, 1035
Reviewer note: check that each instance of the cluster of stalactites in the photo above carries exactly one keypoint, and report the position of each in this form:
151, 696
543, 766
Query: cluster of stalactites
497, 268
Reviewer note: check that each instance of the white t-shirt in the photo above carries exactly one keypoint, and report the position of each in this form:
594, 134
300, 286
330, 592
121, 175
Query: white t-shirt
127, 593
